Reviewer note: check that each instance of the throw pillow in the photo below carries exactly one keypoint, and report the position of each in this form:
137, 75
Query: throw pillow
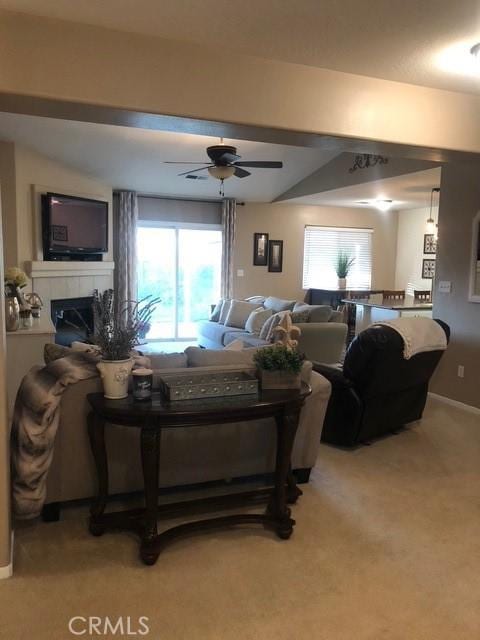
257, 319
53, 352
318, 313
238, 313
224, 311
278, 304
215, 315
300, 316
198, 357
267, 330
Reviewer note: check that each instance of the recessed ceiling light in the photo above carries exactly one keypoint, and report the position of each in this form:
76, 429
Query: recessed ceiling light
380, 204
460, 58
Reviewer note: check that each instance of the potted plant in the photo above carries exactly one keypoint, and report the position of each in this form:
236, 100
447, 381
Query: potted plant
343, 264
116, 334
279, 367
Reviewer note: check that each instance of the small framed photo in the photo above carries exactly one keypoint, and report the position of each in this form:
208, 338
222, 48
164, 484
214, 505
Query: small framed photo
429, 243
260, 249
59, 233
275, 256
428, 269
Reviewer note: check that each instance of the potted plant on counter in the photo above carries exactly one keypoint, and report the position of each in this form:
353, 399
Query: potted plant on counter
116, 334
343, 264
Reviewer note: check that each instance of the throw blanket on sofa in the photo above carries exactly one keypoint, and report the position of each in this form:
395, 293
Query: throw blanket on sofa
419, 334
35, 423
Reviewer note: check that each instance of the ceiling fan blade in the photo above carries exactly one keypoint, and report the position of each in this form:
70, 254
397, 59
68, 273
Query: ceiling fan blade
180, 162
195, 170
260, 164
228, 157
241, 173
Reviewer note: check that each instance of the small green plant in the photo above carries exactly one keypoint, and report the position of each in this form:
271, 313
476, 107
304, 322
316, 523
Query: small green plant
279, 358
117, 333
343, 264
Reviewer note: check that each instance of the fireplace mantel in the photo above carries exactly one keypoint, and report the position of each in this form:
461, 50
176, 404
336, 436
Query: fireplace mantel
60, 269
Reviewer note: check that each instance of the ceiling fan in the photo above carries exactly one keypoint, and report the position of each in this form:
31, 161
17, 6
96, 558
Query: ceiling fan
224, 164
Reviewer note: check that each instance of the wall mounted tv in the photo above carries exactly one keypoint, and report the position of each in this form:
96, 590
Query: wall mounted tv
74, 228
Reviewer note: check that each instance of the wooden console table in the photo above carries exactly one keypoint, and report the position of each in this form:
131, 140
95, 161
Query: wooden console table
153, 416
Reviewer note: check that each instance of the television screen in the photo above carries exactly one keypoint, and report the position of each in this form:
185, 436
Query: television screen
75, 225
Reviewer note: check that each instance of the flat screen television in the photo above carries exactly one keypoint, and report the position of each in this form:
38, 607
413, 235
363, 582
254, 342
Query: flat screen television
73, 227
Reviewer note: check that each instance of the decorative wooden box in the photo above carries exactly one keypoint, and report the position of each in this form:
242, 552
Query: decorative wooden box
207, 385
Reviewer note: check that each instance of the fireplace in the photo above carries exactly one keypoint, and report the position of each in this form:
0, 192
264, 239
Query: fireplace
73, 319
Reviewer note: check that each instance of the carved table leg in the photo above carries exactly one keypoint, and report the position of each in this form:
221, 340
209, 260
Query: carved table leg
96, 432
150, 445
286, 429
293, 491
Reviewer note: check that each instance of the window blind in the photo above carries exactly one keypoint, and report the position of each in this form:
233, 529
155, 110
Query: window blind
321, 248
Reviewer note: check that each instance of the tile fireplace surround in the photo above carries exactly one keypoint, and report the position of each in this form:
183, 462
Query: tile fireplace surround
54, 280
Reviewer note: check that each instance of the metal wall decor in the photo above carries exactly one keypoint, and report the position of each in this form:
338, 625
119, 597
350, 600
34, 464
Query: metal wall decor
260, 249
429, 243
275, 256
428, 269
366, 160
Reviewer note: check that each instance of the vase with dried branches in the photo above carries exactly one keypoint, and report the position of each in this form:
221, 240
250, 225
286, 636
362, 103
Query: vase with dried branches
117, 335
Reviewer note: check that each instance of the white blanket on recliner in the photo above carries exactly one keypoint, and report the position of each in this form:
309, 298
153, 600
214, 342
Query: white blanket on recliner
419, 334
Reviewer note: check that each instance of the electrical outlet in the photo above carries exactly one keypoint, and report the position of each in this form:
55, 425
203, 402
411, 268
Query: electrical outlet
461, 371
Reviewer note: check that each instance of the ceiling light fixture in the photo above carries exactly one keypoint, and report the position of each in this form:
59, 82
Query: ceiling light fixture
221, 172
431, 224
383, 205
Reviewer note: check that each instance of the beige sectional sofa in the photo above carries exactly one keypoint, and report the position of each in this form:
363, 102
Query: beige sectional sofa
323, 331
188, 456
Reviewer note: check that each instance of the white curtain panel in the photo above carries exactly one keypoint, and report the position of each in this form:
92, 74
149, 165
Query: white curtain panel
229, 213
125, 216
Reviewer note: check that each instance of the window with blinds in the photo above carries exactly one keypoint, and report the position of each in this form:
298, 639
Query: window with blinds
321, 248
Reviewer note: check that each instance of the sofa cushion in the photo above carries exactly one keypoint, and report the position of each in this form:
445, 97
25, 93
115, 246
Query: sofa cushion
317, 313
224, 311
215, 315
167, 360
278, 304
257, 319
215, 331
233, 334
300, 316
238, 313
211, 357
257, 299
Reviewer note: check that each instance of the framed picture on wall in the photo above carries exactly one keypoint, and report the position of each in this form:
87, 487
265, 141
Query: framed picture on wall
429, 243
428, 269
275, 256
260, 249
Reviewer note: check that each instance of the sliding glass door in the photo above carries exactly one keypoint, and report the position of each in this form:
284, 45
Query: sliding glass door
181, 264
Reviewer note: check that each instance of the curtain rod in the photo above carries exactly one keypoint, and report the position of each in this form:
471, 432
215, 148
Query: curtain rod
159, 197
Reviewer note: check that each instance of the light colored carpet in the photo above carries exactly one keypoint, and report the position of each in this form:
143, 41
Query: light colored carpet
387, 547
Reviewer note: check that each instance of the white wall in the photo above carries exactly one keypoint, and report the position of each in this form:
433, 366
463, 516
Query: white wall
287, 222
411, 229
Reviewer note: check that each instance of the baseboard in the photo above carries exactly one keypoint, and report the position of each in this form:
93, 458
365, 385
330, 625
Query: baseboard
455, 403
7, 572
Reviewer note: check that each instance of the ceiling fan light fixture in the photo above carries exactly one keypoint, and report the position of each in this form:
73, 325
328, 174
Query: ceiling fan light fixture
221, 173
475, 51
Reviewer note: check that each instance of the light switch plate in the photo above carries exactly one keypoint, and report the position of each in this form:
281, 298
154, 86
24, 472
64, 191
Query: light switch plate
240, 273
445, 286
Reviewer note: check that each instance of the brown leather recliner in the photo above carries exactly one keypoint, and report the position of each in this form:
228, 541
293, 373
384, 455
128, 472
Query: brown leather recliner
378, 391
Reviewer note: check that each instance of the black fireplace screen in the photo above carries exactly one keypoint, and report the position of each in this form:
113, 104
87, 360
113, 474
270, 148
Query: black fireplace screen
73, 319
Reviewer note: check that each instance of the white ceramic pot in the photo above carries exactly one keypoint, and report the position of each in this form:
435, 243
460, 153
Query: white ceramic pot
114, 375
342, 283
